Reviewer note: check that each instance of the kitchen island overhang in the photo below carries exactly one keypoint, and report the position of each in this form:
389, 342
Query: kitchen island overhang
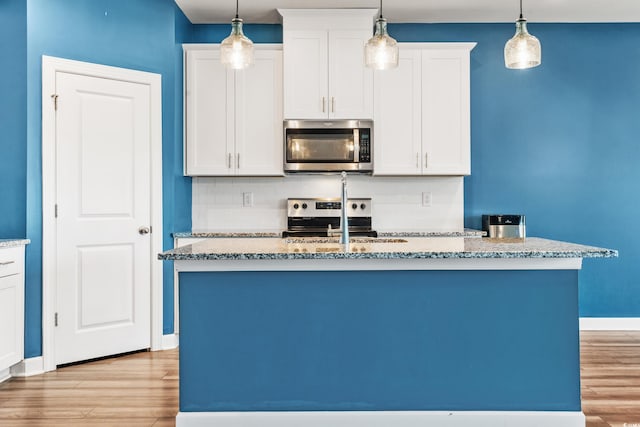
397, 338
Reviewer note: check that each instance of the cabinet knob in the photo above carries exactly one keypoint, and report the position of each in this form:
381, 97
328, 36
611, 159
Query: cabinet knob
333, 104
229, 162
144, 230
324, 101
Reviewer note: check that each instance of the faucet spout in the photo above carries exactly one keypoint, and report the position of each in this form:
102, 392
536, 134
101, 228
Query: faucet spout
344, 237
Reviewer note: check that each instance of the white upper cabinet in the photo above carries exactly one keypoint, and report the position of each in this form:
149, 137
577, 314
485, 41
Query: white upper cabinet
422, 112
233, 119
324, 71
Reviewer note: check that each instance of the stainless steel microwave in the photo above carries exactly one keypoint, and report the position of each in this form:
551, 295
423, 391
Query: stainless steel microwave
328, 146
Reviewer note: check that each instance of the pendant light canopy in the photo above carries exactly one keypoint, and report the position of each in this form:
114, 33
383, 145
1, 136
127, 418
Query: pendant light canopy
236, 51
381, 51
523, 50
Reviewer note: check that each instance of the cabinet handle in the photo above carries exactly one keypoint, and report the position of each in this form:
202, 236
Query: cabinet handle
229, 162
417, 160
333, 104
323, 104
238, 160
426, 160
7, 263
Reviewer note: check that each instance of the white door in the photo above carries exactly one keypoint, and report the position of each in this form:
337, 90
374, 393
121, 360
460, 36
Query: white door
259, 115
103, 173
350, 81
398, 126
305, 75
210, 115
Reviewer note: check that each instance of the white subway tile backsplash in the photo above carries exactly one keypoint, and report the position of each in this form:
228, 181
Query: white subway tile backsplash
396, 206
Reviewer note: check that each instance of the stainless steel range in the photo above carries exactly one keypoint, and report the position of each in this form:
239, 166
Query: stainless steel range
321, 217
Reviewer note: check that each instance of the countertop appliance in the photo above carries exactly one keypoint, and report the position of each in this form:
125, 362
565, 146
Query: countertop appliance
321, 217
504, 226
328, 146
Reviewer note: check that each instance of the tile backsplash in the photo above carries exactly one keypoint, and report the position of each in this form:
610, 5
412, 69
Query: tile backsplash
397, 203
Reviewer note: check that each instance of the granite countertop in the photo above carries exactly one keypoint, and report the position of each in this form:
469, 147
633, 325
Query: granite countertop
8, 243
467, 232
381, 248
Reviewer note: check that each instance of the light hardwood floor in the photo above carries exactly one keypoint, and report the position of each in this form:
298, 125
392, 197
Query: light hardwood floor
142, 389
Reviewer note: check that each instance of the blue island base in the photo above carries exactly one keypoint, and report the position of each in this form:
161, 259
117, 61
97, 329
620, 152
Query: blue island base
504, 342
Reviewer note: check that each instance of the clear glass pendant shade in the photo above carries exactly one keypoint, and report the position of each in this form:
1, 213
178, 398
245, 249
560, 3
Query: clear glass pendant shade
236, 51
381, 51
522, 50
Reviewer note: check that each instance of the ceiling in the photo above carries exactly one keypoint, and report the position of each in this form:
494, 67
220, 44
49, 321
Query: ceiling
264, 11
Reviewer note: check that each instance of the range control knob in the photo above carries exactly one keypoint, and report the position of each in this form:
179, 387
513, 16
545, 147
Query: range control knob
304, 206
363, 206
296, 206
354, 206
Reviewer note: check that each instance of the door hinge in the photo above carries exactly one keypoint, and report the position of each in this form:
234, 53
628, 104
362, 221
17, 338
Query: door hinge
55, 101
55, 319
56, 210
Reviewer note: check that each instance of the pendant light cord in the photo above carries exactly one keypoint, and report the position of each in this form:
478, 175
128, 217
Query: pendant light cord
381, 9
239, 0
520, 9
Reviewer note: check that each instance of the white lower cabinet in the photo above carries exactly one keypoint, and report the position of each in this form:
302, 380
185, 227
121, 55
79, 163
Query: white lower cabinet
233, 119
422, 112
11, 306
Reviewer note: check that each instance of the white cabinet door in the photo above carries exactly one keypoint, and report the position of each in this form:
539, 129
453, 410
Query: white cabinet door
233, 118
305, 75
397, 133
209, 111
259, 116
445, 112
350, 81
11, 306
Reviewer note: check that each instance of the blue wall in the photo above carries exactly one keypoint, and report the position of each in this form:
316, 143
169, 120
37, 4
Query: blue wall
569, 163
559, 143
142, 35
13, 118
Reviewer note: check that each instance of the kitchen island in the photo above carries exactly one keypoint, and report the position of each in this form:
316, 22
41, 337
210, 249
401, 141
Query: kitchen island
394, 331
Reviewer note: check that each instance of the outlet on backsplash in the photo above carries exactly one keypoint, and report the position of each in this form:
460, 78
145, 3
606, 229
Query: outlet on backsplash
247, 200
426, 199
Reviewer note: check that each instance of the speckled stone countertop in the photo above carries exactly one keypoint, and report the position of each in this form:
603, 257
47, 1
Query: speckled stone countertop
467, 232
381, 248
8, 243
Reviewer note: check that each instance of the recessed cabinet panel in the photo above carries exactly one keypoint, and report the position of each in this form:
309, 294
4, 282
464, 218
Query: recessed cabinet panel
233, 118
209, 109
259, 116
350, 81
305, 74
397, 131
445, 112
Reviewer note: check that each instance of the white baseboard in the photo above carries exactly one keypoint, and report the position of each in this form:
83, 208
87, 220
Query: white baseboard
5, 374
381, 419
28, 367
170, 341
610, 323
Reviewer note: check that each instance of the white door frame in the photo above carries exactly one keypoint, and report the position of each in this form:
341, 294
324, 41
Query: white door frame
51, 66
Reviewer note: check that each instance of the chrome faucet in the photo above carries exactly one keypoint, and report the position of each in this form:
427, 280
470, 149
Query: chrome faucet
344, 222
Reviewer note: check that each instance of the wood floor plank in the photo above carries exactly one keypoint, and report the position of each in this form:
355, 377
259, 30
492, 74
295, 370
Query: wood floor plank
142, 389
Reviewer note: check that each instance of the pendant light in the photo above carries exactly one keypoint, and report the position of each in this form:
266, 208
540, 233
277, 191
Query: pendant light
236, 51
381, 51
523, 50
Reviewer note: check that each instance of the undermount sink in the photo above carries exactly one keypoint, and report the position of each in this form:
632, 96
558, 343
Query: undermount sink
337, 240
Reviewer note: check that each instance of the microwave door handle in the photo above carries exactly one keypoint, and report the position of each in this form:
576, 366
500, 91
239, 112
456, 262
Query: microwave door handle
356, 145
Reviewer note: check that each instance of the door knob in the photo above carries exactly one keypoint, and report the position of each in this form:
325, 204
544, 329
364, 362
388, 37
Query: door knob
144, 230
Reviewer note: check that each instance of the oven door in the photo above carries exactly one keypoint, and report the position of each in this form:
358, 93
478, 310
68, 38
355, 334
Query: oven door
321, 149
